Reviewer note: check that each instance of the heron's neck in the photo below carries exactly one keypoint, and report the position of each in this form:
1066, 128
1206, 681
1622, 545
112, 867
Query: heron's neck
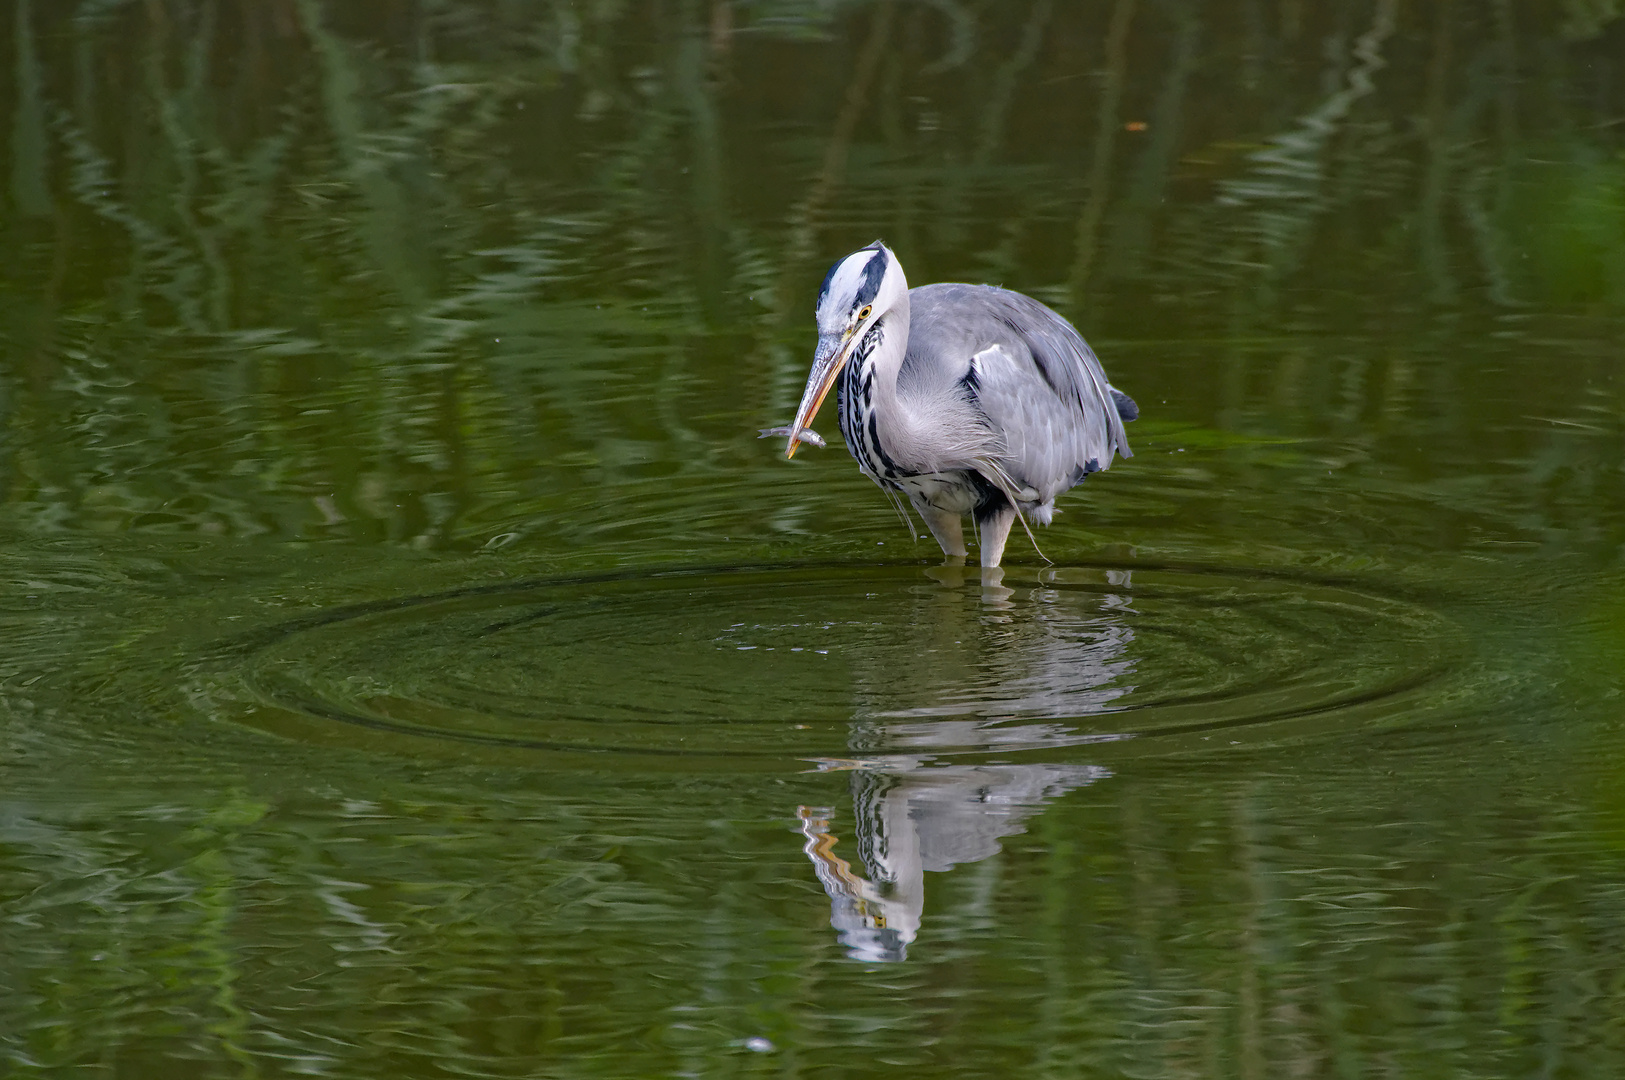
886, 360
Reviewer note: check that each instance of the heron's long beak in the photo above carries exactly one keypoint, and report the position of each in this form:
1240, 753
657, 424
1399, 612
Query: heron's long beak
833, 352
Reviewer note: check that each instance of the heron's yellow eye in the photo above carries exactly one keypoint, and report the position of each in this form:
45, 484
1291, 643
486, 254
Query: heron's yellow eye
864, 314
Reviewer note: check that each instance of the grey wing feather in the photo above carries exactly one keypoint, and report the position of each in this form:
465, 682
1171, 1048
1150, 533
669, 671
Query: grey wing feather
1039, 384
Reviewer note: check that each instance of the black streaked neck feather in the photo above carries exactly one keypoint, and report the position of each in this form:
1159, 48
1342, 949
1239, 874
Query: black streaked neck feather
871, 418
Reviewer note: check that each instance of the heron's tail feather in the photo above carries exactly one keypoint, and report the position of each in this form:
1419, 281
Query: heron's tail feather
1126, 409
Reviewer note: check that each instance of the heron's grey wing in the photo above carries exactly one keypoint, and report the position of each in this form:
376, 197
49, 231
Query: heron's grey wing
1035, 378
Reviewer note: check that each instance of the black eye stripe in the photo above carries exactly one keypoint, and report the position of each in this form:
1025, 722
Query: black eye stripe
868, 287
873, 271
823, 290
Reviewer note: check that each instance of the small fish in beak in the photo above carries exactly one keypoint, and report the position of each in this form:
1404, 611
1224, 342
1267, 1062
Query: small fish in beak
806, 435
833, 352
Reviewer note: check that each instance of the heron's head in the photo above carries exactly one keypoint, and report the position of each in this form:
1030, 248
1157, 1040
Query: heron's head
857, 293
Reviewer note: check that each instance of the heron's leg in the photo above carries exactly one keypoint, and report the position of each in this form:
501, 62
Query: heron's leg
945, 526
995, 530
995, 594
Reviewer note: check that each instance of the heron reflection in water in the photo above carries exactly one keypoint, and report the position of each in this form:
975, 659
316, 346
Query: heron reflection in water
966, 399
1004, 678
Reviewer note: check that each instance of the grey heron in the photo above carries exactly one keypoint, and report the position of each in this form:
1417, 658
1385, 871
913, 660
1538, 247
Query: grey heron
968, 399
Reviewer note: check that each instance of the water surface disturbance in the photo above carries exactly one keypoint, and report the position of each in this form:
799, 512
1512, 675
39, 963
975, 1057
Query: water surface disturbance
786, 664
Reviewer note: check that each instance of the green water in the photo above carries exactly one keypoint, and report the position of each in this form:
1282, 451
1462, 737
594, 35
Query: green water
414, 666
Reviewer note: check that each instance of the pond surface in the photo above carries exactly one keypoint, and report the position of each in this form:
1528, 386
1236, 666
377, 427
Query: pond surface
415, 666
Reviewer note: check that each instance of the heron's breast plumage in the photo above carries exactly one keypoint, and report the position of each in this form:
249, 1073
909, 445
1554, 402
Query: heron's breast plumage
948, 483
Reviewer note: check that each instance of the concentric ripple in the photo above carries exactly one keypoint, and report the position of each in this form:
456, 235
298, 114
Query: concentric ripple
843, 663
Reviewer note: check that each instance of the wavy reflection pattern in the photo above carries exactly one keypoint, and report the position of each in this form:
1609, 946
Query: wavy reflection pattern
912, 816
958, 707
